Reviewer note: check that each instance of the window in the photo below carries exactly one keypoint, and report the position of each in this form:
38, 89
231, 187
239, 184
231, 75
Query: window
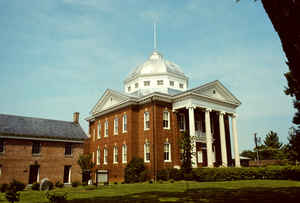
181, 122
136, 85
68, 149
129, 88
106, 128
93, 157
115, 154
146, 83
146, 121
160, 82
171, 83
94, 134
124, 123
200, 156
166, 120
99, 130
1, 146
36, 148
98, 157
181, 85
105, 157
124, 153
116, 126
147, 152
167, 152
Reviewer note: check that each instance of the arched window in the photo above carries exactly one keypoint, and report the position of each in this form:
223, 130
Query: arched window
105, 156
106, 128
124, 153
99, 130
115, 154
124, 123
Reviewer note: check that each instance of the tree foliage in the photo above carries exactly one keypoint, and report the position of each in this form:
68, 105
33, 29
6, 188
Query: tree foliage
135, 171
86, 164
272, 140
186, 144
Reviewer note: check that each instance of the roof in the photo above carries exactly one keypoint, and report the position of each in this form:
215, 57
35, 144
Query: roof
156, 64
20, 126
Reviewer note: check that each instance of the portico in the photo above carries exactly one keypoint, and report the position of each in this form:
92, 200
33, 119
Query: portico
208, 120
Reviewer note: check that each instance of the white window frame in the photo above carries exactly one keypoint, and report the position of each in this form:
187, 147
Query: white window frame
124, 153
146, 152
136, 85
160, 82
99, 131
105, 156
115, 154
147, 83
98, 157
124, 123
116, 126
106, 128
181, 115
167, 150
146, 120
172, 83
181, 85
168, 120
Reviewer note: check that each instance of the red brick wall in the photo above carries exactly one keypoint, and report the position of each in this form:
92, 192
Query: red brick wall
17, 158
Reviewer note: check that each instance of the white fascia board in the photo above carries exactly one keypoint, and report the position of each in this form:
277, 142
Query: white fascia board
39, 139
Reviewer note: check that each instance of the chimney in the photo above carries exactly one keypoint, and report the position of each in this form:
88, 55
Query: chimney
76, 117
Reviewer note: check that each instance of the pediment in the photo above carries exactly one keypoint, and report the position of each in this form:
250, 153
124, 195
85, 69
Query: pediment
109, 99
216, 90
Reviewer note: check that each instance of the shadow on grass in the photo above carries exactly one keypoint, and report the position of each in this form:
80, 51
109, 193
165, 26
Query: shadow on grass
259, 194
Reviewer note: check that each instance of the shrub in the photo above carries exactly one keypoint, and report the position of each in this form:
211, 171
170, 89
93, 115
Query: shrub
59, 184
3, 187
171, 181
12, 195
162, 175
150, 181
47, 185
84, 183
35, 186
17, 185
75, 184
133, 170
144, 175
116, 183
56, 197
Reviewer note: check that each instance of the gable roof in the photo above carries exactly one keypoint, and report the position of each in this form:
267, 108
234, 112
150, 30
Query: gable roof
19, 126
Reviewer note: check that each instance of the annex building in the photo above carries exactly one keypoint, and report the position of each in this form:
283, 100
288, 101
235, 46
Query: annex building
148, 117
33, 149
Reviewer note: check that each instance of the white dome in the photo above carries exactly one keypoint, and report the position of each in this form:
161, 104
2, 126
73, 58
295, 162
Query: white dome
155, 65
156, 75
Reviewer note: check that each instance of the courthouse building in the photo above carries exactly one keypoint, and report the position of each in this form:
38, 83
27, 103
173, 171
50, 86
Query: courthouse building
148, 117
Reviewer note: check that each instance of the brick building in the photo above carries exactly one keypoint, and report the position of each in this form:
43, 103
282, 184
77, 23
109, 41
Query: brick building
147, 119
32, 149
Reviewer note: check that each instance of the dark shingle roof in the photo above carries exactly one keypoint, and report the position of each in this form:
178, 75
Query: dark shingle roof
40, 128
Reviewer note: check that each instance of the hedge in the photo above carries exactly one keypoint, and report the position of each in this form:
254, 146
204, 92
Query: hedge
227, 174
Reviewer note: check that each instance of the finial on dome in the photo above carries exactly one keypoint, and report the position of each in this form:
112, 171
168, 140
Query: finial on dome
154, 36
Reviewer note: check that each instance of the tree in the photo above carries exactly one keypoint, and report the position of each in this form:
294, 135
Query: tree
86, 164
272, 148
186, 145
293, 146
272, 140
135, 170
249, 154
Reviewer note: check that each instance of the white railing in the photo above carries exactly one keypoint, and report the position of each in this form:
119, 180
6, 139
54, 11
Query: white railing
201, 136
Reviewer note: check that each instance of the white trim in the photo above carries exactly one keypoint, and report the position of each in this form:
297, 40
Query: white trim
98, 157
116, 126
124, 126
105, 156
181, 115
169, 152
124, 152
99, 131
168, 120
146, 145
146, 119
115, 155
106, 127
39, 139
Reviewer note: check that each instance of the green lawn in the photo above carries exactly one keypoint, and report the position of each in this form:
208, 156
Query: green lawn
231, 191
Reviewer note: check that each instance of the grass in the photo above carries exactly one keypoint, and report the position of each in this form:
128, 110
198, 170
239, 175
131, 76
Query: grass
182, 191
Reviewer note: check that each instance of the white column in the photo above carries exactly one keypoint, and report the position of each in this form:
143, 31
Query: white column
192, 135
208, 139
223, 139
235, 141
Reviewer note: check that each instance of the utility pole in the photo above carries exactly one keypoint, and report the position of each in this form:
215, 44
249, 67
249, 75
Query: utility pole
255, 141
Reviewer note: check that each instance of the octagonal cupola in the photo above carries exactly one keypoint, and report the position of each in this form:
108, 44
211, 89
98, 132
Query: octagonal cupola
156, 75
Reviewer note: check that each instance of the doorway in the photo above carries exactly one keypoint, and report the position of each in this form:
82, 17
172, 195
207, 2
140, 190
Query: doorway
34, 174
67, 174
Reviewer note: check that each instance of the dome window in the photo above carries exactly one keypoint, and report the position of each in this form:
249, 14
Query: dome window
181, 85
136, 85
160, 82
171, 83
129, 88
146, 83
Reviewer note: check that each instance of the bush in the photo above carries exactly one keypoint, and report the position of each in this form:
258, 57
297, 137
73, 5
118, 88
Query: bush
133, 170
3, 187
56, 197
35, 186
59, 184
150, 181
144, 175
163, 174
17, 185
116, 183
47, 185
75, 184
171, 181
12, 195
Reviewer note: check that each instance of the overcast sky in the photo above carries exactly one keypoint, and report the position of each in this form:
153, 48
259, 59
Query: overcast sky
59, 56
